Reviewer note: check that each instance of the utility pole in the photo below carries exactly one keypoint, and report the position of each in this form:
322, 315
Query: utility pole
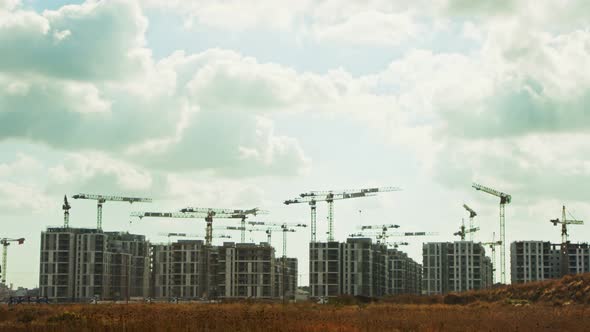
504, 199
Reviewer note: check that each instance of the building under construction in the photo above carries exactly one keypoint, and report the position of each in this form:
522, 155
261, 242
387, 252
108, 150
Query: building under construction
455, 267
190, 269
404, 275
542, 260
180, 269
78, 264
361, 268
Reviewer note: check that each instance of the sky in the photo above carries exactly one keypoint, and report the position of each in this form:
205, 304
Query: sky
241, 104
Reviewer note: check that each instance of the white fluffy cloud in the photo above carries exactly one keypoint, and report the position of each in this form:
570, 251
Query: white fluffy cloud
97, 88
369, 23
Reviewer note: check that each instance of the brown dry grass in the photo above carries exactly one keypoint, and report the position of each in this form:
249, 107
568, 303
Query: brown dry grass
294, 317
556, 305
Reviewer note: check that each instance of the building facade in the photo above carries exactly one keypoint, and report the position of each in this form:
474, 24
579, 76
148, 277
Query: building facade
286, 277
455, 267
189, 269
246, 270
78, 264
404, 275
361, 268
184, 269
542, 260
325, 268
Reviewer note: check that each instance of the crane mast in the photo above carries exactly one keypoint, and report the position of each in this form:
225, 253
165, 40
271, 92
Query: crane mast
472, 214
565, 238
384, 228
221, 213
208, 216
564, 222
329, 196
66, 207
464, 231
504, 199
5, 242
101, 199
492, 246
283, 227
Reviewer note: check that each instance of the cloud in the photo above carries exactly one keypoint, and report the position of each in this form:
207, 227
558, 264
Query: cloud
96, 40
79, 168
19, 192
234, 14
148, 113
9, 4
368, 27
22, 165
23, 199
203, 190
352, 23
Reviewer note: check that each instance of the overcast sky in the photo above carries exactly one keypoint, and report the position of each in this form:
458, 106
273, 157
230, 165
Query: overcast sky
237, 104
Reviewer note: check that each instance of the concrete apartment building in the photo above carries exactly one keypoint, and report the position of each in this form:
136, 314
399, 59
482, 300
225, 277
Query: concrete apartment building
542, 260
290, 282
532, 261
361, 268
185, 269
77, 264
325, 268
404, 275
189, 269
246, 270
455, 267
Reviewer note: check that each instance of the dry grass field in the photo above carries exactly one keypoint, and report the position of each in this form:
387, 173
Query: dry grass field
295, 317
558, 305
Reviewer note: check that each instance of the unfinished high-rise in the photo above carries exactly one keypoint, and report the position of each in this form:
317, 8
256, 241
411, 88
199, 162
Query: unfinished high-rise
404, 275
362, 268
455, 267
190, 269
77, 264
246, 270
185, 269
542, 260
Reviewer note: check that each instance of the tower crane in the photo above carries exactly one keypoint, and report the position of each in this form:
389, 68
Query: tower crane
233, 213
101, 199
397, 244
564, 222
414, 234
492, 246
504, 199
187, 215
464, 231
564, 238
274, 227
169, 235
66, 207
5, 242
472, 214
384, 228
330, 196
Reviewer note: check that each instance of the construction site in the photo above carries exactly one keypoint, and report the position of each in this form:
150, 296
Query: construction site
91, 265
